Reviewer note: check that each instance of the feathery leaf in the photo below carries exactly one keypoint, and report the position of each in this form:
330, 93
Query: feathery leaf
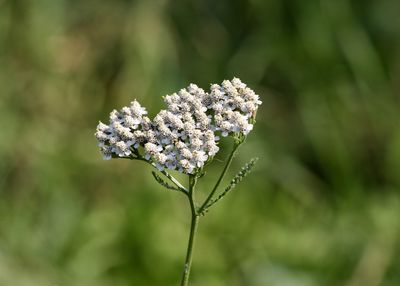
164, 183
246, 169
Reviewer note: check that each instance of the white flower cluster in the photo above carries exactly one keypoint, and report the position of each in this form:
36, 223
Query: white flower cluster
234, 104
183, 136
128, 128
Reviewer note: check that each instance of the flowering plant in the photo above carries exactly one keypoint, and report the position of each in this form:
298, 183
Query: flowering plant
184, 137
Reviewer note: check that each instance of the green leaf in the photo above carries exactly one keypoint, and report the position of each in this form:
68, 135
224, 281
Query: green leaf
163, 183
246, 169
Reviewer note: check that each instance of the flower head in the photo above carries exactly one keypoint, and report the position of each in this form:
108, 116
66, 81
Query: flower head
184, 136
121, 134
234, 106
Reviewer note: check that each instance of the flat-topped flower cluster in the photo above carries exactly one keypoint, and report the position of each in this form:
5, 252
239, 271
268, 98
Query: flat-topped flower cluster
185, 135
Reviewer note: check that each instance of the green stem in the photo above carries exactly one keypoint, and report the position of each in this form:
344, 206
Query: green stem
173, 180
228, 163
188, 261
166, 174
193, 229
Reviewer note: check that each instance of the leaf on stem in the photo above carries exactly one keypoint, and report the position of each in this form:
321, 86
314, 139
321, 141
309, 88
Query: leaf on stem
246, 169
164, 183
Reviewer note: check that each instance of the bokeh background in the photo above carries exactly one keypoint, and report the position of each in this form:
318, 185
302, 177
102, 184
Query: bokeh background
322, 207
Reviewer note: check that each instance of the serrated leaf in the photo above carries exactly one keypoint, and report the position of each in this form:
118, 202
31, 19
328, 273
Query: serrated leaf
163, 183
246, 169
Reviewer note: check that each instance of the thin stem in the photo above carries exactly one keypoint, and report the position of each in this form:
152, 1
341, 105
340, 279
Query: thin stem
188, 261
165, 173
228, 163
165, 184
173, 180
192, 186
246, 169
193, 229
168, 175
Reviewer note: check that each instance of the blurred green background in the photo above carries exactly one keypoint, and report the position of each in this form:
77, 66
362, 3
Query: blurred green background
322, 206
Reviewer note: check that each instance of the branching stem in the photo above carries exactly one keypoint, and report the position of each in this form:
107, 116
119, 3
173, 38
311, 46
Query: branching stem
193, 229
228, 163
164, 172
195, 211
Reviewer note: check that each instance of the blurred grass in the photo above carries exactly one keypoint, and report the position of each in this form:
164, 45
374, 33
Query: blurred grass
323, 204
